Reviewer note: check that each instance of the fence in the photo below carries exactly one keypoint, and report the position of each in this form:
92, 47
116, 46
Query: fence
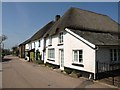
104, 67
109, 73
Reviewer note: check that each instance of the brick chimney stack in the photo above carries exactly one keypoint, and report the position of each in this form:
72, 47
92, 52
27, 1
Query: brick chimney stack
57, 17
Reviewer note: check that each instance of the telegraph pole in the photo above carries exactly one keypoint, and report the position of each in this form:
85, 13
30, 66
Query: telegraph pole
2, 38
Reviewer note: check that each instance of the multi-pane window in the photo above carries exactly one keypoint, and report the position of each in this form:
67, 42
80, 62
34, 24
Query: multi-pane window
77, 56
115, 55
50, 40
61, 37
51, 53
39, 43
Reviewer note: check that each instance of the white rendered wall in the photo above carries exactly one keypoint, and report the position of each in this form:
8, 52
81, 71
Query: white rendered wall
27, 46
71, 43
56, 47
36, 46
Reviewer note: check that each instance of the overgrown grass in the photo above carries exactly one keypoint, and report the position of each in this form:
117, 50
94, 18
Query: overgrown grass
68, 70
39, 61
51, 65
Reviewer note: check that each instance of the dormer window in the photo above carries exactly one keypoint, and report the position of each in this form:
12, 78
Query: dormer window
50, 40
61, 37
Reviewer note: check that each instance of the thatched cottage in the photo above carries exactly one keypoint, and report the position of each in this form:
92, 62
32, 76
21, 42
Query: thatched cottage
80, 40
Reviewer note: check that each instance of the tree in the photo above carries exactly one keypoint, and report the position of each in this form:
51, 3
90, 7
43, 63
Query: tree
3, 38
15, 50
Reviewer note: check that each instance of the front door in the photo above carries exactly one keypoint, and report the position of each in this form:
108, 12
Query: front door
61, 56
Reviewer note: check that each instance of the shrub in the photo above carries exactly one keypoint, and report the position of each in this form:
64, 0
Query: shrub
51, 65
68, 70
77, 72
48, 64
39, 61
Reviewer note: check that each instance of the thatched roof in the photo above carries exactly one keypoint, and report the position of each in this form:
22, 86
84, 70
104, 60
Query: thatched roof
98, 38
39, 34
25, 42
85, 20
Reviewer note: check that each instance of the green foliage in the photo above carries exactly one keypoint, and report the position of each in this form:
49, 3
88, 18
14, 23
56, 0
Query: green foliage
68, 70
39, 61
38, 56
15, 50
6, 52
51, 65
75, 71
48, 64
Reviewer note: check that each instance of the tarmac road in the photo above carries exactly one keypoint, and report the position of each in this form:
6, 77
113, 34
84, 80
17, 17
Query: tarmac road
17, 73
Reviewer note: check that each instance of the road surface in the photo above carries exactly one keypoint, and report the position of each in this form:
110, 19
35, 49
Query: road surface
17, 73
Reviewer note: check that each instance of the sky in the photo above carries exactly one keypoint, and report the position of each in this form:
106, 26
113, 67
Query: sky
20, 20
0, 18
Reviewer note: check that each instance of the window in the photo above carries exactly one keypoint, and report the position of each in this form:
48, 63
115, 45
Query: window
77, 56
51, 53
39, 43
115, 55
30, 46
61, 37
50, 40
34, 44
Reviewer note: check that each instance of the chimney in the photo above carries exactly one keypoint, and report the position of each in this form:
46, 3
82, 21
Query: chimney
57, 17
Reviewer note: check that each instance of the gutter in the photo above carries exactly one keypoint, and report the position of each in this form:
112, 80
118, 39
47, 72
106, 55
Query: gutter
82, 39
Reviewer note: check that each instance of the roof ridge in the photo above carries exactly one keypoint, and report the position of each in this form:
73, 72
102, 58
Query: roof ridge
74, 8
43, 26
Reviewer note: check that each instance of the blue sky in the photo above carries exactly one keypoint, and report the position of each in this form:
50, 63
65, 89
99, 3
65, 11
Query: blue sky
21, 20
0, 18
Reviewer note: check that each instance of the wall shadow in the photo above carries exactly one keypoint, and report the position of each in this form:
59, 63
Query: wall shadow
107, 74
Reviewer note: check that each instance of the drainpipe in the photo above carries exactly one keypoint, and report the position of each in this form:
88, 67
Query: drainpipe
90, 76
96, 48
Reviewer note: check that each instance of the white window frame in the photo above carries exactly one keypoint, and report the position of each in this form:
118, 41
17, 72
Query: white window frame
112, 55
61, 34
51, 53
78, 58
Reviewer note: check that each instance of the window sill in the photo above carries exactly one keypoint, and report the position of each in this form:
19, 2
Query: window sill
59, 44
50, 45
51, 60
114, 62
76, 64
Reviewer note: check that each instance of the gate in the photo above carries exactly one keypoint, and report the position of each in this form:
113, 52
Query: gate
108, 73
